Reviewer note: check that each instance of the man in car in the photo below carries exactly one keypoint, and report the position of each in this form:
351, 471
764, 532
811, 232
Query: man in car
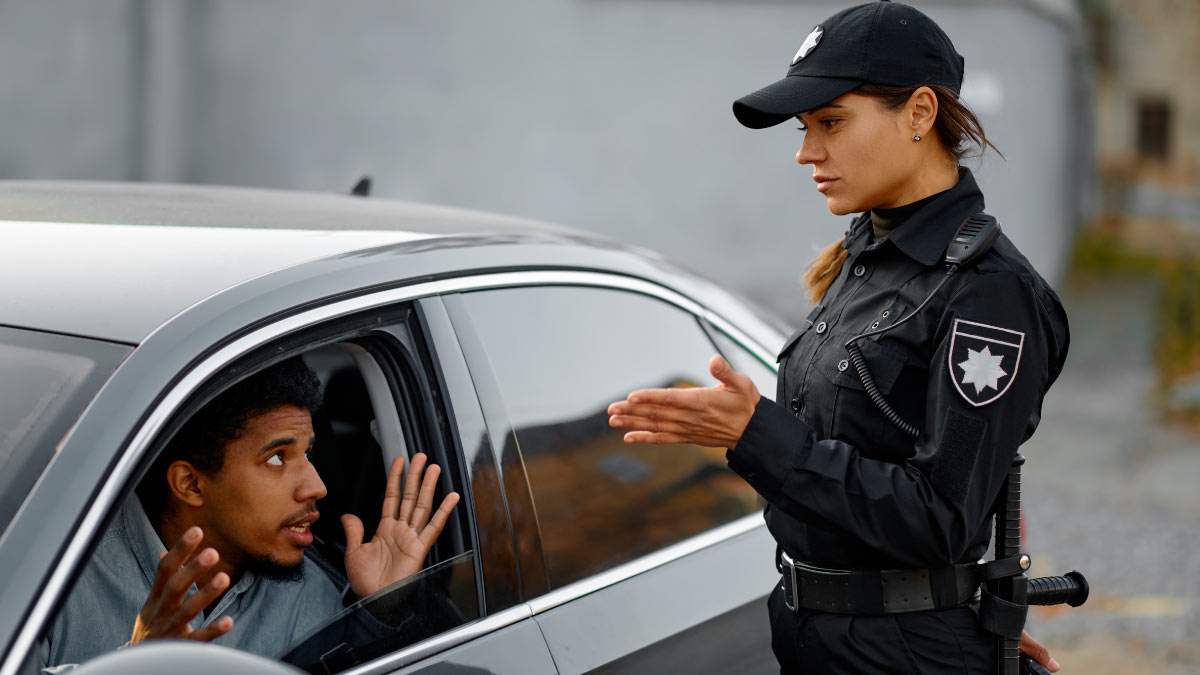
234, 496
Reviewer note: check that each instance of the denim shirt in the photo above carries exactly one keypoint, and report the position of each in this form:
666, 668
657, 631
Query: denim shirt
98, 616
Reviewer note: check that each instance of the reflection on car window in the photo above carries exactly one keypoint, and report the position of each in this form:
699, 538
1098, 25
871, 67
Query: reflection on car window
413, 609
48, 380
561, 355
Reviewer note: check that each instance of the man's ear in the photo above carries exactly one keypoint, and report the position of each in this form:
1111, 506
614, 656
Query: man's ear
183, 479
921, 111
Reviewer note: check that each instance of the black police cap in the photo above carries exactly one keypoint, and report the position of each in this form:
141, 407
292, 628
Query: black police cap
883, 42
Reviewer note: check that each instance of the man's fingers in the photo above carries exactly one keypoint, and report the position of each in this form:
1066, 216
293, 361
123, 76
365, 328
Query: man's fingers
430, 533
354, 532
213, 630
196, 603
179, 582
391, 493
420, 515
411, 486
170, 562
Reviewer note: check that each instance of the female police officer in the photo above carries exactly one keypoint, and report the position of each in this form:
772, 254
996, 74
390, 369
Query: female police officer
902, 400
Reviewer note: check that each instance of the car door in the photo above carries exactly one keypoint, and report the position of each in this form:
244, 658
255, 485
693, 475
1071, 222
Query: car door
415, 394
635, 558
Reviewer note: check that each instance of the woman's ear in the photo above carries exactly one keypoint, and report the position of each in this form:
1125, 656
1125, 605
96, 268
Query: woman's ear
921, 111
183, 479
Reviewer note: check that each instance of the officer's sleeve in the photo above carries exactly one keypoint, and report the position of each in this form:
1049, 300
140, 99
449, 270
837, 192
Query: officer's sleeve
927, 511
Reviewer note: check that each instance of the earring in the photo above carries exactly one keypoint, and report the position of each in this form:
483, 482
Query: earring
917, 138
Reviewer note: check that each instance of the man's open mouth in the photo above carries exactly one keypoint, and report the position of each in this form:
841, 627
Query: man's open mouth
302, 524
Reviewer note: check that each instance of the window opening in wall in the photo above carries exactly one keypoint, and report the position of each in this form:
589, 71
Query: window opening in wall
1154, 128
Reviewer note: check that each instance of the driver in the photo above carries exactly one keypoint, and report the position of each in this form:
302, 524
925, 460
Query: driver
234, 496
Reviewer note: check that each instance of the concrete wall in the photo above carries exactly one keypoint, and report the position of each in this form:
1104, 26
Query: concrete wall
608, 115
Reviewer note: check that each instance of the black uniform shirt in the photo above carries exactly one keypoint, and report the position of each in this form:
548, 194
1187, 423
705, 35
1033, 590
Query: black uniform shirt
845, 487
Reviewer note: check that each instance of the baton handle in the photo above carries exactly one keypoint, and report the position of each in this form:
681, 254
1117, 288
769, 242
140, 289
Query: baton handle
1008, 544
1071, 589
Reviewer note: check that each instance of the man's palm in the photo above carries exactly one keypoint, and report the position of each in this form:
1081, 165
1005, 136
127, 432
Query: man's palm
407, 529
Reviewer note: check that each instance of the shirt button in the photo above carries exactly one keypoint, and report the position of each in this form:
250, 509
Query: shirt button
821, 327
795, 405
843, 365
860, 270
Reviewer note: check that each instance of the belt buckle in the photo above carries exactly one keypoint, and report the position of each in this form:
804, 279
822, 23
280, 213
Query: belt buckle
791, 599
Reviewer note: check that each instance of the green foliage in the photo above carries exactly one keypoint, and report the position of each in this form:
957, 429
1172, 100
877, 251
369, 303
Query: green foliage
1176, 274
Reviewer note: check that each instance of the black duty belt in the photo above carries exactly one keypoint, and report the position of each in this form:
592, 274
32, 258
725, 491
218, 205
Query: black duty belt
876, 591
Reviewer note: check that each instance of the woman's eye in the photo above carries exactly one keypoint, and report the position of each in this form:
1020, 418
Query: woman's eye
801, 128
829, 123
275, 459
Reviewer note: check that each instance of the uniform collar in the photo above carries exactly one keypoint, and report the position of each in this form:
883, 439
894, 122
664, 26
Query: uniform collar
926, 234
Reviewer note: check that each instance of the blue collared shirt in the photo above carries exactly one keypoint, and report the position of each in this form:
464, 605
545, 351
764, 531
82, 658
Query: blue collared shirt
268, 614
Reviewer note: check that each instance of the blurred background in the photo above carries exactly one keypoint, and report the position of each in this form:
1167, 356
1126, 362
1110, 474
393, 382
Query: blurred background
614, 116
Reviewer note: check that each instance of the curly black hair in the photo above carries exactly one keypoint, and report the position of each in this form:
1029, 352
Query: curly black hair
202, 440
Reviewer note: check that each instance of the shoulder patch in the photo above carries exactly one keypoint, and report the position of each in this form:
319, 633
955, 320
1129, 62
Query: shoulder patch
983, 360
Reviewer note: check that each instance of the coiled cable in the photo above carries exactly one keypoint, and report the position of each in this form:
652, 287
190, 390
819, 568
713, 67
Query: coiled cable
864, 373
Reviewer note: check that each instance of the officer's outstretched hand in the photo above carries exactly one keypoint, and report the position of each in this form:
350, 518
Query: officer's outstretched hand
709, 416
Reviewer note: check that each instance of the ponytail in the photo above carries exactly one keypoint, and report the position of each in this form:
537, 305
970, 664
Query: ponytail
821, 272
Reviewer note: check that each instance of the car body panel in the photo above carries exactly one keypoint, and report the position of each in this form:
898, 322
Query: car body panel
191, 336
655, 607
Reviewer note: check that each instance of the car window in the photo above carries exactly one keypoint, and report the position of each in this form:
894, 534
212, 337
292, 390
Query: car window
560, 356
373, 402
421, 606
745, 362
47, 381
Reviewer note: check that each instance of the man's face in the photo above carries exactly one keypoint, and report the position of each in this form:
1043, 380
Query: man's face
259, 507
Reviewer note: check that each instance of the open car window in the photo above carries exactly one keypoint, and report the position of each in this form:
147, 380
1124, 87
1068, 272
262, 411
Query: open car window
413, 609
374, 402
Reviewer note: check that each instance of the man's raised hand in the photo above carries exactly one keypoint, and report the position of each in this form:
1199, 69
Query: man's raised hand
167, 611
406, 531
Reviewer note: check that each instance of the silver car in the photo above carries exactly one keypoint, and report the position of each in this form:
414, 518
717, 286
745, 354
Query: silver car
492, 344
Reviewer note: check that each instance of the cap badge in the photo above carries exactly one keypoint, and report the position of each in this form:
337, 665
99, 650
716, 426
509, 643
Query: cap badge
810, 43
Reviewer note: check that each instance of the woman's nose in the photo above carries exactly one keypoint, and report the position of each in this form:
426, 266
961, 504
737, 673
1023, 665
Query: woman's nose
810, 151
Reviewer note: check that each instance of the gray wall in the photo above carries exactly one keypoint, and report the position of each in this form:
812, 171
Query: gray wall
608, 115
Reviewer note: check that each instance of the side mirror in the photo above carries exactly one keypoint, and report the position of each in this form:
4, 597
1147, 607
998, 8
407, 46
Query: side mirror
182, 657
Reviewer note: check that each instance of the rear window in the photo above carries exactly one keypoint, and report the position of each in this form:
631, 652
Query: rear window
47, 381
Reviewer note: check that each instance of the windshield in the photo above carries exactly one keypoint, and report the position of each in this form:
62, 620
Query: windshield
46, 380
415, 608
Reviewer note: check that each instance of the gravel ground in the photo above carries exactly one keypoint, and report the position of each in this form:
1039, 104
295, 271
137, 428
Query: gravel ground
1112, 491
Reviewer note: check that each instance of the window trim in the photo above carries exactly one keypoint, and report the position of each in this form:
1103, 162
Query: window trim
173, 399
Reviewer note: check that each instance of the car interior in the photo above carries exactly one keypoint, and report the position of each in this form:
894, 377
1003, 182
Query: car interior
359, 432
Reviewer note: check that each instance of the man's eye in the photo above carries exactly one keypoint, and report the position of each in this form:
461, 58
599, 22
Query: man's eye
275, 459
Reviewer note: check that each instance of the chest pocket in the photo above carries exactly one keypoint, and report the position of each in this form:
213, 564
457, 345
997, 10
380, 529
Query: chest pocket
794, 337
884, 363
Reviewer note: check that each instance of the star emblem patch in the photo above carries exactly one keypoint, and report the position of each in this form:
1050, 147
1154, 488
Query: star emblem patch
983, 360
809, 44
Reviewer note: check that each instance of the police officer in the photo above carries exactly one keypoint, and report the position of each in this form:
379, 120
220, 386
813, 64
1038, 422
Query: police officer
879, 484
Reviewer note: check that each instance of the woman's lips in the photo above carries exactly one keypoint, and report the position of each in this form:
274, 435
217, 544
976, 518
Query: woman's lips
824, 183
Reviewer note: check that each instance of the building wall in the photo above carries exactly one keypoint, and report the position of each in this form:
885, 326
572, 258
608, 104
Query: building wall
1148, 50
608, 115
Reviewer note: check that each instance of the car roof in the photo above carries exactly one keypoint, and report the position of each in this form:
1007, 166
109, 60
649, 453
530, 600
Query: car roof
73, 250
